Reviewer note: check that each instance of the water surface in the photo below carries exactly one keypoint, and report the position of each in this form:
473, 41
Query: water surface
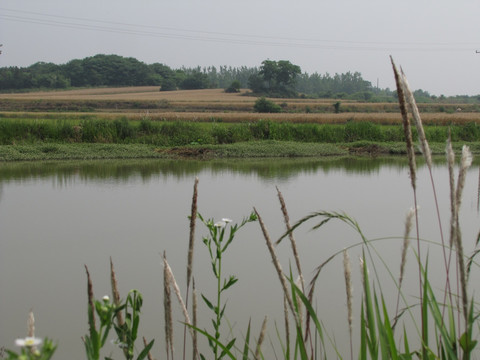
57, 217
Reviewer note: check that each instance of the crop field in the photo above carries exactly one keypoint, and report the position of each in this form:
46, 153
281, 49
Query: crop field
147, 102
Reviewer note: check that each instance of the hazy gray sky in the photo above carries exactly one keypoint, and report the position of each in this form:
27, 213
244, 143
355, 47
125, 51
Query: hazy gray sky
434, 41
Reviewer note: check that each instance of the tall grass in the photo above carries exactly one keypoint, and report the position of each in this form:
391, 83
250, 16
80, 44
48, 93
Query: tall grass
181, 133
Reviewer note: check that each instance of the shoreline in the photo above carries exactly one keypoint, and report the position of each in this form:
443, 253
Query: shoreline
253, 149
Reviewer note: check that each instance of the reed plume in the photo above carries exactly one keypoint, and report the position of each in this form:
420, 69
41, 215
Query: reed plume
465, 163
418, 120
193, 218
407, 130
167, 306
261, 337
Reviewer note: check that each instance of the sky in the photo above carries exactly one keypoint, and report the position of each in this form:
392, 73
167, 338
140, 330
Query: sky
434, 41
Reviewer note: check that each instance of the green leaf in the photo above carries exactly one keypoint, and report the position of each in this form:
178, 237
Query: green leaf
467, 343
208, 303
232, 280
213, 340
145, 351
227, 348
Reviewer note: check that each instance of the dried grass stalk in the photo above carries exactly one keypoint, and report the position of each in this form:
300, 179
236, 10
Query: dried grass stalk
176, 290
292, 239
194, 305
278, 267
90, 299
287, 325
261, 337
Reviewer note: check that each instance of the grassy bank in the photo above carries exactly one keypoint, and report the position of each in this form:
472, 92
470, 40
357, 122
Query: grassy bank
254, 149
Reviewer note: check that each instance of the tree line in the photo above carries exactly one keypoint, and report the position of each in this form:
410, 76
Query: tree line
271, 78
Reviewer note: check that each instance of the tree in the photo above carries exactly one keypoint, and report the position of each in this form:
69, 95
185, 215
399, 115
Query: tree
275, 78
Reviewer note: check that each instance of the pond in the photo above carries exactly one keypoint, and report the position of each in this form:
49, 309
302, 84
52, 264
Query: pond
56, 217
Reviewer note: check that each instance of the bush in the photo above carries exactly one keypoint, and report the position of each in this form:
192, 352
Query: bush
234, 87
263, 105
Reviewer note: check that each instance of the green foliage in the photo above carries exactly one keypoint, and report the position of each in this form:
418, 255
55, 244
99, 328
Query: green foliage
263, 105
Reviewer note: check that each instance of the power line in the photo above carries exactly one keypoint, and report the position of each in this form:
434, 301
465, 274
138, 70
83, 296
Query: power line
221, 37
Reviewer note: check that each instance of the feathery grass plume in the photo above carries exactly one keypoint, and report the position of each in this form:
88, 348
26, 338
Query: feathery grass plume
418, 120
167, 306
31, 324
261, 337
292, 239
451, 177
116, 300
278, 267
347, 270
176, 290
406, 126
194, 306
149, 355
193, 218
465, 163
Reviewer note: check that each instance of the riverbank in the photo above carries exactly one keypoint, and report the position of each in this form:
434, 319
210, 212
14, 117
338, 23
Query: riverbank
253, 149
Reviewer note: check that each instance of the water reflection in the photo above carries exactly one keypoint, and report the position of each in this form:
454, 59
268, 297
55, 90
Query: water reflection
123, 170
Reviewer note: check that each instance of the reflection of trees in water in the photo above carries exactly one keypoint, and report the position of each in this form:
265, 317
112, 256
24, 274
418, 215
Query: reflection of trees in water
62, 173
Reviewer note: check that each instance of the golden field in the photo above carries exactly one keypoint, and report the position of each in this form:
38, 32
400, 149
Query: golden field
211, 105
